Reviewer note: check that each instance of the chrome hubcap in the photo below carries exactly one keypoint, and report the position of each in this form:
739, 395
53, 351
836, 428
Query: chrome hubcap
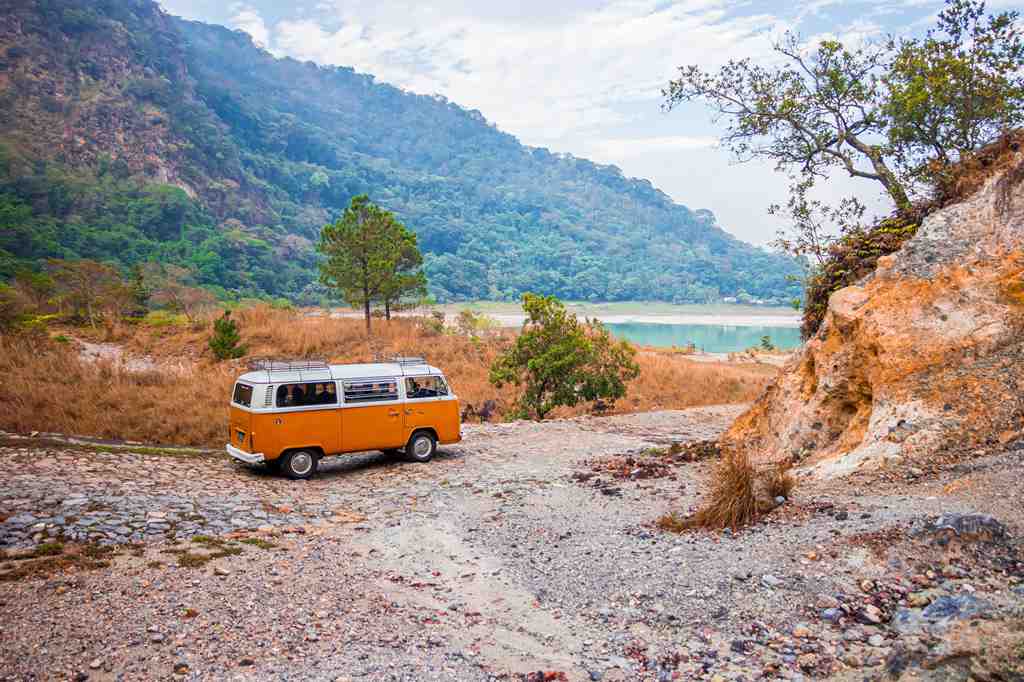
301, 463
421, 448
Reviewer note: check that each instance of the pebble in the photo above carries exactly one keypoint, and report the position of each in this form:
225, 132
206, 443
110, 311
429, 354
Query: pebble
876, 640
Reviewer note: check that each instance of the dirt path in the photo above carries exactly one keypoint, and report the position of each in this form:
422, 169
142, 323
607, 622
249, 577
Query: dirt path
491, 562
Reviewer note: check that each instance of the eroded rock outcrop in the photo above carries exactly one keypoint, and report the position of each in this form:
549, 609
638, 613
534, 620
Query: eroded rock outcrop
924, 354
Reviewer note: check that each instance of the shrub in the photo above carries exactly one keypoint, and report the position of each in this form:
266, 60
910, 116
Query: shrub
850, 258
561, 362
740, 494
225, 342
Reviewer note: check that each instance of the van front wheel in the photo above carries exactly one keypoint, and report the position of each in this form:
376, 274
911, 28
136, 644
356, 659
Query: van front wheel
299, 464
421, 447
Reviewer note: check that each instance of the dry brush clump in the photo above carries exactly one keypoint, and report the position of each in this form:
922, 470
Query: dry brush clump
740, 494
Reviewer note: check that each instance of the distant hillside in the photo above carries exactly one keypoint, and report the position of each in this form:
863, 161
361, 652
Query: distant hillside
130, 135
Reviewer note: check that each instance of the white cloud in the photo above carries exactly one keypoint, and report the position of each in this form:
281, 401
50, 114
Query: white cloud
550, 83
248, 19
611, 150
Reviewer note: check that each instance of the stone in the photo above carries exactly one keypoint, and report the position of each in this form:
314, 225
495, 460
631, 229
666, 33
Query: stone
831, 615
769, 580
96, 663
876, 640
919, 599
220, 571
802, 631
940, 614
246, 662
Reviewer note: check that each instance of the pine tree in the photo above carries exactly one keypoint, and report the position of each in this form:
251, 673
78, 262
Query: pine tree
225, 340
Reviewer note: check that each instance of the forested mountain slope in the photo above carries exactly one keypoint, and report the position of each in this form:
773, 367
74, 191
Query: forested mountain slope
131, 135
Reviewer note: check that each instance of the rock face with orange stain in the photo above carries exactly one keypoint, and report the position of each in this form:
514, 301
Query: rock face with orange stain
926, 353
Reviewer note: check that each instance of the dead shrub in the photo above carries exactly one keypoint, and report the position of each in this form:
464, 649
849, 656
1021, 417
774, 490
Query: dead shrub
741, 493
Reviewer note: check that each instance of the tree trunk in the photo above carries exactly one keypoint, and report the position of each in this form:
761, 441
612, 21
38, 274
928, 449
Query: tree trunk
885, 176
387, 309
366, 308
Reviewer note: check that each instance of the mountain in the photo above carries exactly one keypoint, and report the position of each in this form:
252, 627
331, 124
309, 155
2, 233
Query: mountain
130, 135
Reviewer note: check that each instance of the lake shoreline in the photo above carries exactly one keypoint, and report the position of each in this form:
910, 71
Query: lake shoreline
510, 315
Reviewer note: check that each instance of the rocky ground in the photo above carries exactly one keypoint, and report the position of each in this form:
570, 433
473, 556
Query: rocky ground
528, 551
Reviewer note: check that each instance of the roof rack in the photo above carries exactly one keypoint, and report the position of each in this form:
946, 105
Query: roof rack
399, 359
275, 365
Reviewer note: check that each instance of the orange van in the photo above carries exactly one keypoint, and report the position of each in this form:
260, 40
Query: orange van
289, 415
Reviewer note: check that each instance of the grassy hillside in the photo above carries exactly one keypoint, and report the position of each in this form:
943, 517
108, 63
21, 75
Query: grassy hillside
130, 135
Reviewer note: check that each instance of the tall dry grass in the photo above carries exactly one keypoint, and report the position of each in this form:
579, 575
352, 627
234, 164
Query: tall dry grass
48, 387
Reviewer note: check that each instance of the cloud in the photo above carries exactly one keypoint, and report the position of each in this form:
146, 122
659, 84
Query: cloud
248, 19
549, 82
611, 149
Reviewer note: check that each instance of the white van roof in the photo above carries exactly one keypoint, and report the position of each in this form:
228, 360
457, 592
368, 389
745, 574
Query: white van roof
378, 370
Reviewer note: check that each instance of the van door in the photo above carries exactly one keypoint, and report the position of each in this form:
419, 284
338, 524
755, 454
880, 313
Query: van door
428, 405
371, 417
306, 415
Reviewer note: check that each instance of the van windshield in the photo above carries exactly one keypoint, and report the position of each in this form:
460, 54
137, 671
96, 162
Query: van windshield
243, 395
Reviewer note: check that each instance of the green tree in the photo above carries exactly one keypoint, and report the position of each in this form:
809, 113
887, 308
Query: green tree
560, 361
957, 88
362, 250
89, 291
226, 341
819, 111
407, 281
140, 292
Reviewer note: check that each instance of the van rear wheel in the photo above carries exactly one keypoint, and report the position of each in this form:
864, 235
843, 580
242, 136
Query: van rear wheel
299, 464
421, 447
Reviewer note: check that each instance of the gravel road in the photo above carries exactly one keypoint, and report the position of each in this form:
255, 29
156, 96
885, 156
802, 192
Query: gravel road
491, 562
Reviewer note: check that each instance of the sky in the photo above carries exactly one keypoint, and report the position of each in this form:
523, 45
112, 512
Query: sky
581, 76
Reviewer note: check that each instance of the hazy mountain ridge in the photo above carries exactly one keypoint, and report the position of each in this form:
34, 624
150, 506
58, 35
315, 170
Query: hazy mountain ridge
266, 150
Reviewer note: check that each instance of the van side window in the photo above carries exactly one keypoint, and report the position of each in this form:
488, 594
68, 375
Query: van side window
370, 390
305, 395
425, 387
243, 395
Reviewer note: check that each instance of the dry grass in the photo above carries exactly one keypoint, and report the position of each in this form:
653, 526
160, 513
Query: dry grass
740, 494
47, 387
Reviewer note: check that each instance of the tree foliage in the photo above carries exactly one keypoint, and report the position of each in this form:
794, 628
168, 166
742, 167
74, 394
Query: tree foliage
956, 89
818, 112
89, 291
560, 361
369, 256
226, 341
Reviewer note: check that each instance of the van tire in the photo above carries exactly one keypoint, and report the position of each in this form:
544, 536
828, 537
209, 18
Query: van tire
421, 447
299, 464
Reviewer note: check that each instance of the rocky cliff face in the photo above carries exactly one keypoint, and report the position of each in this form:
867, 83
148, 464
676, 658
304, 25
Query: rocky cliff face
108, 87
925, 354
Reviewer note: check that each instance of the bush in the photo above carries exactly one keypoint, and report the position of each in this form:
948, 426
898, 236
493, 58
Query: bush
561, 362
740, 495
851, 258
164, 318
225, 342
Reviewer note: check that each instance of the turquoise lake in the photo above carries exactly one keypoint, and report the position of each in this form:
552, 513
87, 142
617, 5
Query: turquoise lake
709, 338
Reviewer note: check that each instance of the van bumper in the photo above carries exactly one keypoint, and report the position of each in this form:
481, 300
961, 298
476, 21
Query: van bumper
243, 456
